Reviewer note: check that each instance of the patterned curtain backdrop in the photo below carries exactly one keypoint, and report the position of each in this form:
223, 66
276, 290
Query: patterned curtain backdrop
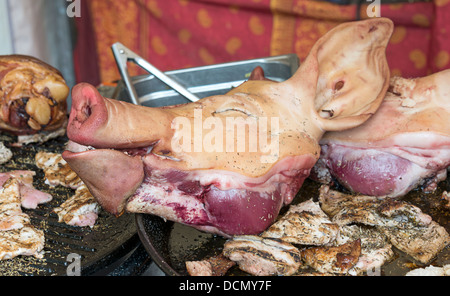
174, 34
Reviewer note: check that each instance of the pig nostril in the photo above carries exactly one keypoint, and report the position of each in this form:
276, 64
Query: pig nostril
84, 113
87, 111
339, 85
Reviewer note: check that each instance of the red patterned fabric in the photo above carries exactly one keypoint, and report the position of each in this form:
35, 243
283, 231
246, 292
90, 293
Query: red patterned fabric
174, 34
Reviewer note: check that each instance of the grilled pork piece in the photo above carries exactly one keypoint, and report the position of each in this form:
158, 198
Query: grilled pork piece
421, 243
32, 96
333, 259
57, 171
80, 209
261, 256
5, 154
11, 215
26, 241
17, 235
369, 210
405, 144
171, 162
406, 227
40, 137
214, 266
375, 248
304, 224
30, 196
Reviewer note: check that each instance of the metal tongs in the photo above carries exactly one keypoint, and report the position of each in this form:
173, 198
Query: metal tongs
123, 55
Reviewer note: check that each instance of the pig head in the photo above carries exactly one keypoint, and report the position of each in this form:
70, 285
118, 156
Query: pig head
406, 144
228, 163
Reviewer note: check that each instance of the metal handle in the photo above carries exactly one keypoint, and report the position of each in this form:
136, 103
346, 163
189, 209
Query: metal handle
123, 55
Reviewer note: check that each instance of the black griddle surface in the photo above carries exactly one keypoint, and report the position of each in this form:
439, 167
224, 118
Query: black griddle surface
96, 247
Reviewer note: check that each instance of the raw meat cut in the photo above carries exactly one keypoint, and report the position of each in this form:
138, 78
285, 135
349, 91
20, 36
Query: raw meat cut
30, 196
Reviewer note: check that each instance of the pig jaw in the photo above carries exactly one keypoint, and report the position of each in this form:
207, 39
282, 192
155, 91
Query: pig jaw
221, 202
110, 175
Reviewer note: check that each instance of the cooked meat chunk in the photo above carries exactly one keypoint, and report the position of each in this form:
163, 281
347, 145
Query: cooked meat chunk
333, 259
11, 216
5, 153
215, 266
375, 247
262, 256
17, 235
421, 243
406, 227
304, 224
56, 169
27, 241
81, 209
376, 211
40, 137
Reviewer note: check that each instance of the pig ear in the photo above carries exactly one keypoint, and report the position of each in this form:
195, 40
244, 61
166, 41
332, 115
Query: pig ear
347, 73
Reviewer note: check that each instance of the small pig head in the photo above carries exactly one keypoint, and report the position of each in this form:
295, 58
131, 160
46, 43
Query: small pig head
248, 131
410, 108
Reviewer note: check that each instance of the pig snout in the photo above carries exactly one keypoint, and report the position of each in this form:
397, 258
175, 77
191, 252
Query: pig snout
106, 123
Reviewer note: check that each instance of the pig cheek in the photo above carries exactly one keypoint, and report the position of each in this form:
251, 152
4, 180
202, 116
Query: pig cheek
240, 211
376, 175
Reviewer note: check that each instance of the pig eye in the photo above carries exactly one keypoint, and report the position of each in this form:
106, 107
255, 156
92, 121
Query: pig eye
327, 113
339, 85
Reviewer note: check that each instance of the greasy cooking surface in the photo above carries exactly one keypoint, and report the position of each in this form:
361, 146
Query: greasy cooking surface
98, 247
172, 244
